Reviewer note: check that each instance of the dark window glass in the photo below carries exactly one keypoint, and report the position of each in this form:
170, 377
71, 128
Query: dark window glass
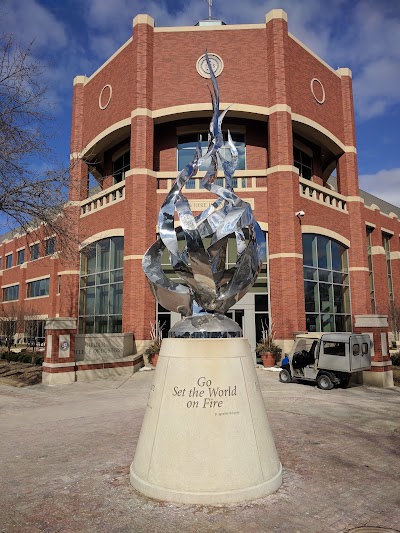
21, 256
11, 293
50, 246
38, 288
326, 290
101, 287
120, 166
34, 251
9, 261
335, 348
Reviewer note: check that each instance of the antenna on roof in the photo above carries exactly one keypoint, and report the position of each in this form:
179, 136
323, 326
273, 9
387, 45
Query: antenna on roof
210, 3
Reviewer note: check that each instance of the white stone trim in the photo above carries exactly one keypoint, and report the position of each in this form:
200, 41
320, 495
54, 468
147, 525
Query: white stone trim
358, 269
108, 60
282, 168
144, 172
226, 27
370, 321
319, 230
276, 14
388, 231
354, 199
114, 127
58, 365
313, 54
10, 285
80, 80
370, 224
61, 323
285, 254
378, 250
37, 297
381, 363
280, 108
37, 279
143, 19
68, 272
342, 72
305, 120
141, 112
129, 257
115, 232
394, 255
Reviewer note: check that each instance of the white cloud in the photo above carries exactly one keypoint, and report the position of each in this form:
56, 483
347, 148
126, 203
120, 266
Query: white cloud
385, 184
30, 21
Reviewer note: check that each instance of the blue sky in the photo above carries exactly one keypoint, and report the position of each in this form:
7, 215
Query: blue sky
74, 37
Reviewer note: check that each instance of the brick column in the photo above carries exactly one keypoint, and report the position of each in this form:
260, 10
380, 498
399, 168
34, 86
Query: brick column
140, 190
59, 361
284, 229
381, 374
348, 186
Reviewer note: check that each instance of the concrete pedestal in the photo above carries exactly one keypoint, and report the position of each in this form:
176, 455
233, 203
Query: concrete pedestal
205, 436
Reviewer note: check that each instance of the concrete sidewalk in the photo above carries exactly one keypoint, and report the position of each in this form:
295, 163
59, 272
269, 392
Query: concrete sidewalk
66, 453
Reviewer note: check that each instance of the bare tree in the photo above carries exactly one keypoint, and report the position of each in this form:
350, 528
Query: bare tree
28, 197
11, 319
394, 320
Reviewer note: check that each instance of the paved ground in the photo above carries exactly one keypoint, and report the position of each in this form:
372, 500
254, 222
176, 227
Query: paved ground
66, 452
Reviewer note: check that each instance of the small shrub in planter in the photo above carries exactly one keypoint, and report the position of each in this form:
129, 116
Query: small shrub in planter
153, 350
396, 359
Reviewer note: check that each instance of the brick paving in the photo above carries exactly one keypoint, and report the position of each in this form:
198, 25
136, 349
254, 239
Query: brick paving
66, 453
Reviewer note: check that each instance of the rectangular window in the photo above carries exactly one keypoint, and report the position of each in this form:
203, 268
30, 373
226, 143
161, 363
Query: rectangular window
370, 270
9, 260
386, 246
37, 288
50, 246
34, 251
335, 348
303, 162
187, 144
11, 293
21, 256
120, 166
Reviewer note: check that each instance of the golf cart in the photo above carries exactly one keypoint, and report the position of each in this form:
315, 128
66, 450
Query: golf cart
328, 359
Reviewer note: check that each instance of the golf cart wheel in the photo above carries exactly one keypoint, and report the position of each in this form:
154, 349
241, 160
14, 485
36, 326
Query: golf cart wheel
324, 382
284, 376
344, 382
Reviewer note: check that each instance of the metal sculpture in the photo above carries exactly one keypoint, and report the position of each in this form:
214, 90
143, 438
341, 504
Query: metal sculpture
207, 285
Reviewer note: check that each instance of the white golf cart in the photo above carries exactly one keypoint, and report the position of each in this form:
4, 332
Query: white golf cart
328, 359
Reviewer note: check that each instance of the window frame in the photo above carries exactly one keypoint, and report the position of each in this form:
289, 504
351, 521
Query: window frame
5, 290
35, 285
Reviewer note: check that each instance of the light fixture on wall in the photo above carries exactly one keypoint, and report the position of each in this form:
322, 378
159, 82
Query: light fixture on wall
299, 214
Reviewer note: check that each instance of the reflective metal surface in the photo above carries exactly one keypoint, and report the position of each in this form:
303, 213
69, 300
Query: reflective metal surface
205, 282
206, 326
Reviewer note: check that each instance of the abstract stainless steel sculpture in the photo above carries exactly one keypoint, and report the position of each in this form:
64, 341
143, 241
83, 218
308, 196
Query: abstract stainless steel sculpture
207, 286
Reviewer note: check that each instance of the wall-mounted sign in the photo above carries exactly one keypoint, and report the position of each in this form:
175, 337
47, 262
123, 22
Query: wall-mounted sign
216, 63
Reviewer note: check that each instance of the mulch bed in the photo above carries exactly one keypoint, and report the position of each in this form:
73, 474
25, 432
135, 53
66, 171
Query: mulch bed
20, 374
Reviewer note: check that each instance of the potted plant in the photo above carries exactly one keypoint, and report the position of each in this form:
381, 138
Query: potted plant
266, 348
153, 350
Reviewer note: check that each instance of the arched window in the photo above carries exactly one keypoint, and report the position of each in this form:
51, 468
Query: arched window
326, 284
100, 297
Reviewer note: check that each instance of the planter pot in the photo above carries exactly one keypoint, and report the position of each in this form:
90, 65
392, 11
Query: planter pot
268, 359
154, 359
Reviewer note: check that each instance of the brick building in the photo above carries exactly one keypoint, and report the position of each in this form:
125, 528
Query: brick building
333, 252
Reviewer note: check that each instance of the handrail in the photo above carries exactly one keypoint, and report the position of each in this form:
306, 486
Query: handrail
102, 199
322, 195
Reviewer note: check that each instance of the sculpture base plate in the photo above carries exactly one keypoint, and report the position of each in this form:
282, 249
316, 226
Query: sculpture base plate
205, 437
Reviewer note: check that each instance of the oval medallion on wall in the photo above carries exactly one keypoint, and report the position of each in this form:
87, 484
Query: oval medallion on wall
216, 63
105, 96
317, 90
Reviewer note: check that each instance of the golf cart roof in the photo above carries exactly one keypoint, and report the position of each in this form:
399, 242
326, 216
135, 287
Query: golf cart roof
330, 337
